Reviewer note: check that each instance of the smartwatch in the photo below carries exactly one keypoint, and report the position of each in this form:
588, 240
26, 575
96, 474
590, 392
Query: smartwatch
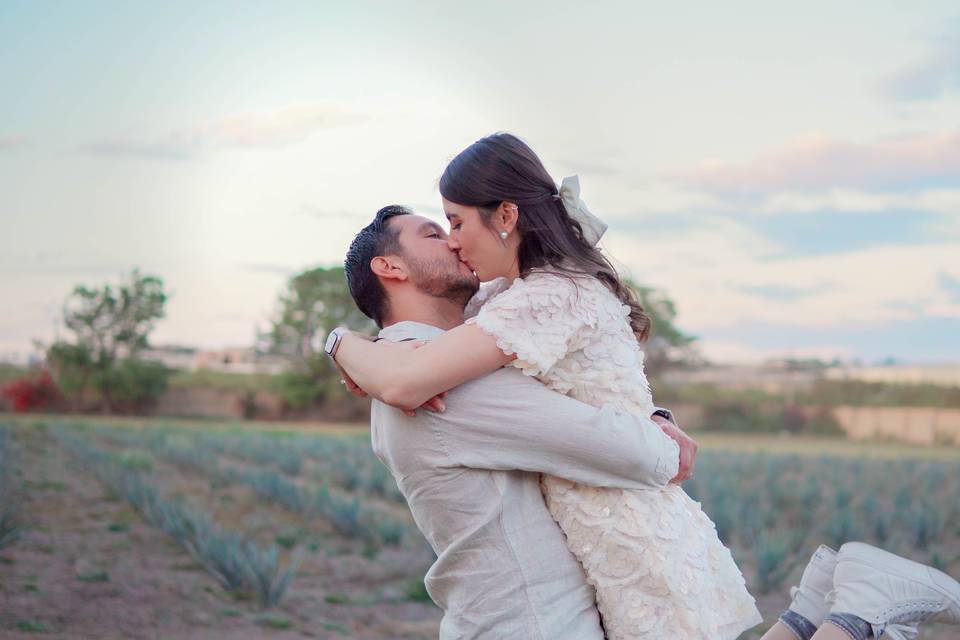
333, 341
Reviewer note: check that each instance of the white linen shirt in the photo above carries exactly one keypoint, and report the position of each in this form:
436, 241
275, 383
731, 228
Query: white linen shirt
471, 478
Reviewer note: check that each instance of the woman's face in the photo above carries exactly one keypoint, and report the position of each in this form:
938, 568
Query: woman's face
480, 247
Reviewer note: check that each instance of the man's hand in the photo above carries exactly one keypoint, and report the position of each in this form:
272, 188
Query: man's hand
351, 385
688, 448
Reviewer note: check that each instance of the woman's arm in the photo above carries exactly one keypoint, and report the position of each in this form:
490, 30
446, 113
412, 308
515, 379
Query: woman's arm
406, 378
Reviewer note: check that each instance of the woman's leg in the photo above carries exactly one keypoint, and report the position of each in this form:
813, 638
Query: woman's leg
875, 593
808, 606
829, 631
781, 631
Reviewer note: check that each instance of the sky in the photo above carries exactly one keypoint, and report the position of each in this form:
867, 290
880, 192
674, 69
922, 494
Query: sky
789, 175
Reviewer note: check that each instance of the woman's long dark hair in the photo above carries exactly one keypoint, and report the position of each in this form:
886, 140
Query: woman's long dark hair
501, 167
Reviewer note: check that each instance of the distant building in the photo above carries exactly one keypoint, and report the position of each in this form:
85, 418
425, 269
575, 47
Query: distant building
774, 377
229, 360
778, 376
175, 357
944, 375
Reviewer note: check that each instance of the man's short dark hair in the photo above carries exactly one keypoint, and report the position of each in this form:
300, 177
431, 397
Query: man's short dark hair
376, 239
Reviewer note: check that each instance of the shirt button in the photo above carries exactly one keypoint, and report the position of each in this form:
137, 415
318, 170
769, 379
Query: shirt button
605, 512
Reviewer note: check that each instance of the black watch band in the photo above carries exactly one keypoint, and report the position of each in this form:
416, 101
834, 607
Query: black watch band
664, 413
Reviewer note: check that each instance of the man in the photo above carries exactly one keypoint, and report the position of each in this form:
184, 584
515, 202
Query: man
471, 472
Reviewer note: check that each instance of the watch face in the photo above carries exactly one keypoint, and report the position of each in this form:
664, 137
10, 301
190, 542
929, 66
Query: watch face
331, 340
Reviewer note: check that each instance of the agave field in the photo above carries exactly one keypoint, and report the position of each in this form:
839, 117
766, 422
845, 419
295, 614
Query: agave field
167, 530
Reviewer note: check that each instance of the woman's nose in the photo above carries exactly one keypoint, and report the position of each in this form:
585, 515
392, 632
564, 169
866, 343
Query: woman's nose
453, 243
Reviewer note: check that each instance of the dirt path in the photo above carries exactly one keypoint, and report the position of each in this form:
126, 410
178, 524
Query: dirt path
89, 567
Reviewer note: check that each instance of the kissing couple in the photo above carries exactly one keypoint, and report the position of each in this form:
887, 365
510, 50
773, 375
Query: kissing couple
518, 423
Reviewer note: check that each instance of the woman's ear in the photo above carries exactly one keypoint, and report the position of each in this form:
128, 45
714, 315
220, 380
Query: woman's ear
508, 213
388, 267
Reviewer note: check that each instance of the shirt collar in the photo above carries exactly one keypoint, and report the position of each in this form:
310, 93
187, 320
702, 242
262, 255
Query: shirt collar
410, 329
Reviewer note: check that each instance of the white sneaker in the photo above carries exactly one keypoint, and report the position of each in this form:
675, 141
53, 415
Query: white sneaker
891, 593
809, 599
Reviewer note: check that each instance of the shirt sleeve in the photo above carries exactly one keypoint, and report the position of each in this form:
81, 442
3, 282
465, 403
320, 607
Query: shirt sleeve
507, 421
538, 318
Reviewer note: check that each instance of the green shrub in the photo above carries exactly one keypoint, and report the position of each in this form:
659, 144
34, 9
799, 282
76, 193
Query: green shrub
131, 385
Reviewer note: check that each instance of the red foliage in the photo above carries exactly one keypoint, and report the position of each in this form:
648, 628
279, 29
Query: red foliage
33, 391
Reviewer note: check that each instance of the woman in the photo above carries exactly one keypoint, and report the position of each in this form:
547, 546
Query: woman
557, 309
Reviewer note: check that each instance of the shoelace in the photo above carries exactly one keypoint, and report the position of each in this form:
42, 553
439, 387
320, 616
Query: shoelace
895, 627
896, 632
916, 611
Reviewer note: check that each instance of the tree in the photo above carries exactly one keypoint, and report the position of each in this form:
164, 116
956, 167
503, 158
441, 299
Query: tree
667, 346
313, 303
111, 326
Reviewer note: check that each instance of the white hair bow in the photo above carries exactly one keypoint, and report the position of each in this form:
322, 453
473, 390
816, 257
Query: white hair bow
593, 227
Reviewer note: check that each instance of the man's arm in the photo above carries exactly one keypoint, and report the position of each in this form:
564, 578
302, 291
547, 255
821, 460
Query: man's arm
509, 421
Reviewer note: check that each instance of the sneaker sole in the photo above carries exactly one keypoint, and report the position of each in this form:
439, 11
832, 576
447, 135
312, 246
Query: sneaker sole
879, 559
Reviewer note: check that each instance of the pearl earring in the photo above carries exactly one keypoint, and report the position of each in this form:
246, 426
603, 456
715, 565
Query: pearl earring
503, 235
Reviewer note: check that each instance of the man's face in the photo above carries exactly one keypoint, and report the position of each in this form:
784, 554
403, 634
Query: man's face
433, 267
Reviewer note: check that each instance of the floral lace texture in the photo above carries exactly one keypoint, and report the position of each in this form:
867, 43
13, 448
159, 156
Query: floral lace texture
654, 557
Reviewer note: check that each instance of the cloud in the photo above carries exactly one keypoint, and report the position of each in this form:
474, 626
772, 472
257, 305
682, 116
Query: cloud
950, 285
315, 211
725, 274
942, 201
268, 269
240, 131
8, 143
817, 162
930, 78
779, 292
595, 168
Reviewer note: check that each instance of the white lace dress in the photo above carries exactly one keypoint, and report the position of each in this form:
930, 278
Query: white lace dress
659, 569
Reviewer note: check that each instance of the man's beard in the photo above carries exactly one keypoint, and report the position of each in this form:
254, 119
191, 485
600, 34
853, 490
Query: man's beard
435, 278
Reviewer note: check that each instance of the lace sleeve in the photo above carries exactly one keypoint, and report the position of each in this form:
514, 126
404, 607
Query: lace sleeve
487, 291
537, 318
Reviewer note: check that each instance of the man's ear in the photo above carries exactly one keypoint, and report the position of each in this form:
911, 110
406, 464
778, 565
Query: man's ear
389, 268
507, 215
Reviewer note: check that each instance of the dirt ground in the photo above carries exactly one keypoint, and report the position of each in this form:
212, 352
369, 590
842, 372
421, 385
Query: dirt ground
89, 567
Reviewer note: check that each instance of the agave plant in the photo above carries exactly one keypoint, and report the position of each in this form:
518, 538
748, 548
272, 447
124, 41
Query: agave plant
10, 527
236, 562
